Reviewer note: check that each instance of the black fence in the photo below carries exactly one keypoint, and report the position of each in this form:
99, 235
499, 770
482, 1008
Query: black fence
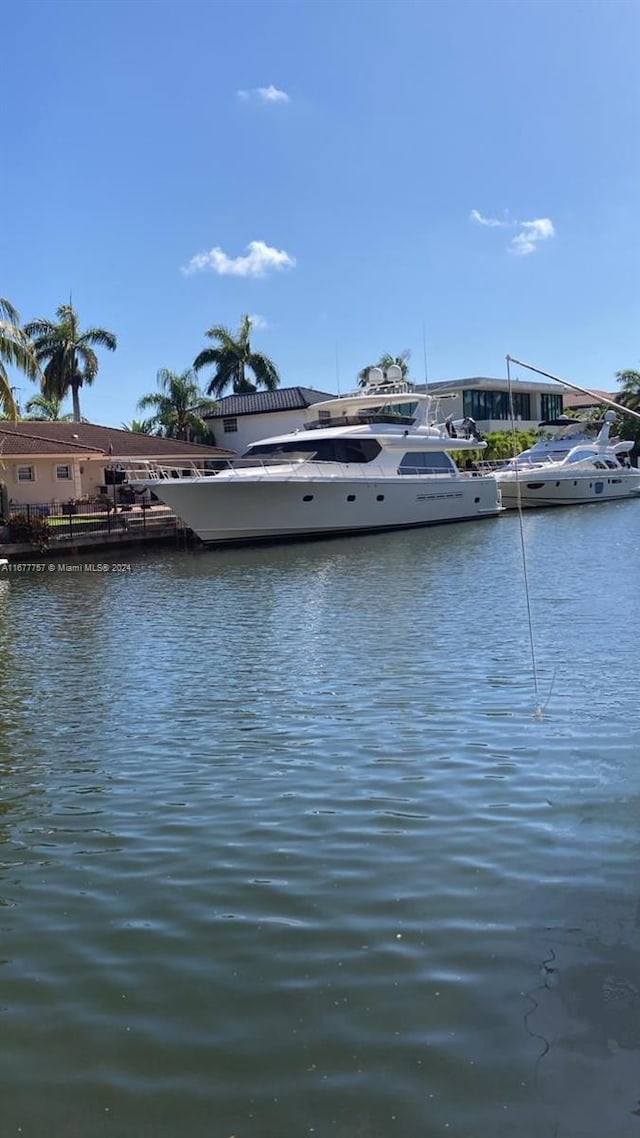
73, 519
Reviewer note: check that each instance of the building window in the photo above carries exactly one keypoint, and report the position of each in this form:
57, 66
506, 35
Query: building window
230, 426
25, 474
486, 404
63, 472
550, 406
521, 405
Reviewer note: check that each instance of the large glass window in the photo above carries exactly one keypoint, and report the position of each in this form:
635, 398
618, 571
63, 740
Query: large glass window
550, 406
521, 405
494, 405
425, 462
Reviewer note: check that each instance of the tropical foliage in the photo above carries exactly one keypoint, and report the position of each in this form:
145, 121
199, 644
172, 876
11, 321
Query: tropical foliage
385, 362
232, 358
67, 353
629, 396
178, 404
16, 350
139, 427
43, 408
500, 445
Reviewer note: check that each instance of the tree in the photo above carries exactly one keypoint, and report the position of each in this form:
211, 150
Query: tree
41, 408
68, 355
139, 426
232, 358
16, 350
177, 404
384, 363
630, 397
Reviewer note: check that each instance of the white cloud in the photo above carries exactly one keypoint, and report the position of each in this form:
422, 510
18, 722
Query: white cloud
490, 221
260, 323
259, 260
268, 94
530, 235
271, 94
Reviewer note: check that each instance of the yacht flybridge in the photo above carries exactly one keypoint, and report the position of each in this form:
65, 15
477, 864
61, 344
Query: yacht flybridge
372, 460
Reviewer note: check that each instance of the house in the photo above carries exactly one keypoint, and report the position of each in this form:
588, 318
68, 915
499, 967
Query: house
239, 420
51, 462
575, 401
487, 401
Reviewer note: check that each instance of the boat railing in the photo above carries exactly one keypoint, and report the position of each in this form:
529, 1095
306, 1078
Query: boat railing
145, 472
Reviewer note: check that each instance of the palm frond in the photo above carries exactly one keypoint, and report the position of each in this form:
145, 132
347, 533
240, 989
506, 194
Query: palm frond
265, 370
100, 337
8, 312
7, 402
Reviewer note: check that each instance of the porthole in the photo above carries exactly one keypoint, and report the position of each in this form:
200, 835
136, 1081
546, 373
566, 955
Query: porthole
379, 497
476, 500
351, 497
308, 498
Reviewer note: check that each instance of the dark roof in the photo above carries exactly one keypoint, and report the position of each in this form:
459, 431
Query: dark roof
577, 399
46, 437
18, 442
263, 402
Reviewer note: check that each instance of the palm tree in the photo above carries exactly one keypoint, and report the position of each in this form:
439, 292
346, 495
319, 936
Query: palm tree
43, 408
70, 361
16, 350
630, 397
177, 404
231, 359
385, 362
139, 426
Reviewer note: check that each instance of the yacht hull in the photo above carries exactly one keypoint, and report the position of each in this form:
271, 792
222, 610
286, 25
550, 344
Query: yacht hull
533, 489
223, 510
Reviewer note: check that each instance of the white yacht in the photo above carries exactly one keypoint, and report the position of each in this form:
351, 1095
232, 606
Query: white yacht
368, 461
573, 463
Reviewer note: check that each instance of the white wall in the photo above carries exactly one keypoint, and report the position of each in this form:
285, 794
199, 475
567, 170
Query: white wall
254, 427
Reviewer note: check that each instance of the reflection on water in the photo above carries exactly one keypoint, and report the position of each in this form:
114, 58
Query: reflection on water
283, 850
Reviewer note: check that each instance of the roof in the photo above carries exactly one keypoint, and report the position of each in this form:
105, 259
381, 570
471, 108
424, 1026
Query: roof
494, 384
265, 402
576, 399
45, 437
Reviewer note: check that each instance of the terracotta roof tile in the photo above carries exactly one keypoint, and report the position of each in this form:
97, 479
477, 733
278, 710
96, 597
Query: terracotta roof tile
30, 437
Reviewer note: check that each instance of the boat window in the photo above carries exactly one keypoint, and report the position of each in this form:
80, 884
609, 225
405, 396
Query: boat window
580, 455
425, 462
317, 450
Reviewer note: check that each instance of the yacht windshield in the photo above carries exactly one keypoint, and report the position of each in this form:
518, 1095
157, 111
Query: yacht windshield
581, 455
314, 450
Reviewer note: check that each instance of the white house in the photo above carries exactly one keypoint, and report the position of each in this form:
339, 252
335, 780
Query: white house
487, 401
239, 420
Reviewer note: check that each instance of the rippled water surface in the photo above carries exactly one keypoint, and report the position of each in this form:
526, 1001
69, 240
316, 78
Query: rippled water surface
284, 851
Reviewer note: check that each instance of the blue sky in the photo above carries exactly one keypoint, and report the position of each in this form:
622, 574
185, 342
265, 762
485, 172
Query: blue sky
351, 142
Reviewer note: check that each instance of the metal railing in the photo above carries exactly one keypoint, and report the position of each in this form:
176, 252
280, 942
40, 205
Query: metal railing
66, 520
141, 474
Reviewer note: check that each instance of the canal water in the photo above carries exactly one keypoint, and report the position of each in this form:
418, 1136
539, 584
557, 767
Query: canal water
284, 850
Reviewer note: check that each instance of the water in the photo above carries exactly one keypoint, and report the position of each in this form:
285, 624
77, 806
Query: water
284, 851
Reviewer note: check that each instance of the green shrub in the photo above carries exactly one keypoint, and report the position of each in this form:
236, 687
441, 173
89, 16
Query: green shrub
34, 530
